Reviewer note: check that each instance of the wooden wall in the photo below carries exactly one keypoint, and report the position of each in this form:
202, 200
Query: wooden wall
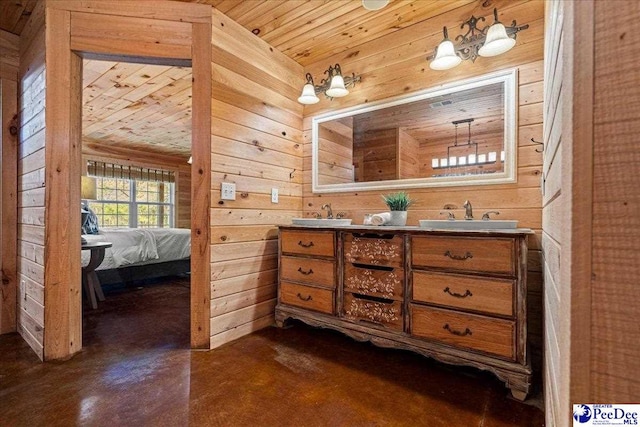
556, 200
31, 180
9, 62
256, 144
395, 64
615, 228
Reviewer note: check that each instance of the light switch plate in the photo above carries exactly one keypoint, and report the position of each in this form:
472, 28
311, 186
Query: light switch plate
274, 195
228, 191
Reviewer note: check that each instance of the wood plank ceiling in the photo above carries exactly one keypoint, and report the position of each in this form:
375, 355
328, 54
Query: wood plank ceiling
141, 107
148, 107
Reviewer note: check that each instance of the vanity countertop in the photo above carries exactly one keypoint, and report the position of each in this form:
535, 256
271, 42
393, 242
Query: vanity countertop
387, 228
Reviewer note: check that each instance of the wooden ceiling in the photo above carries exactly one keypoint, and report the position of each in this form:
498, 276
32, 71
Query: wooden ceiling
313, 30
136, 106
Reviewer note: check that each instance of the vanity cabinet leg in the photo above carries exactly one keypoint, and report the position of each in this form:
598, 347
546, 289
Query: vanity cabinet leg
519, 395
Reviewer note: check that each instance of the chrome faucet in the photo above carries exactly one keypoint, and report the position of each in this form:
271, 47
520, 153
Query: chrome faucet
327, 207
468, 210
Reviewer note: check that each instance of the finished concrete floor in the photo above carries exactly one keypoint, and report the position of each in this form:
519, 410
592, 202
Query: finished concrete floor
136, 369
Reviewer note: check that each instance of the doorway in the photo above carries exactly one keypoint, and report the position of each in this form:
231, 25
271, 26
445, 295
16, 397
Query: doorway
66, 23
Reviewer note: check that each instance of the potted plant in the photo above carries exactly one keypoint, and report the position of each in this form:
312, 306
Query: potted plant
398, 204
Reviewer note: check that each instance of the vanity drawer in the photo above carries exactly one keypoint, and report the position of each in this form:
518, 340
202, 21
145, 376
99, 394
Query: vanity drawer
486, 334
385, 282
381, 312
319, 243
494, 296
374, 249
491, 255
308, 270
307, 297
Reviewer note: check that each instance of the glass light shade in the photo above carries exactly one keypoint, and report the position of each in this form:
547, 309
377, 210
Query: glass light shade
444, 162
453, 161
337, 88
462, 160
482, 158
374, 4
497, 41
435, 163
502, 156
472, 159
492, 156
88, 188
308, 95
446, 57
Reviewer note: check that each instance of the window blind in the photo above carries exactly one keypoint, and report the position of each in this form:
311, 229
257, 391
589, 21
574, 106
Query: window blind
137, 173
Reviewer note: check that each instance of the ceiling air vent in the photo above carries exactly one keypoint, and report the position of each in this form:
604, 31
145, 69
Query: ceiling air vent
441, 103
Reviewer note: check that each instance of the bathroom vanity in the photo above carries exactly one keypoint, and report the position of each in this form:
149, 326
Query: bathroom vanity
456, 296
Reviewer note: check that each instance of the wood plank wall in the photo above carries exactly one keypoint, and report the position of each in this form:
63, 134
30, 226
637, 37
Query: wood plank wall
9, 62
395, 64
615, 229
556, 198
31, 173
256, 143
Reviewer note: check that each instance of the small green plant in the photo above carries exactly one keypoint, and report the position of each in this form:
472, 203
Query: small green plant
398, 201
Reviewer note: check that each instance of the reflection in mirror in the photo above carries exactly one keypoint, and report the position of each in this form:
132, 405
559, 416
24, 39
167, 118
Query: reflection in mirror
454, 135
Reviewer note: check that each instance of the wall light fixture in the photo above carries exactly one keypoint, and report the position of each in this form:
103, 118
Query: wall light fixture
334, 86
492, 40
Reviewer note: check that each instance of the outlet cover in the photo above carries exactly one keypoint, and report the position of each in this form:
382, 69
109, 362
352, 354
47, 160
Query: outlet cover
274, 195
228, 191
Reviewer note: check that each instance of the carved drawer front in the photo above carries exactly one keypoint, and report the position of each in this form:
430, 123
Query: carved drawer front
385, 282
370, 310
308, 270
492, 255
373, 249
319, 243
308, 297
490, 335
494, 296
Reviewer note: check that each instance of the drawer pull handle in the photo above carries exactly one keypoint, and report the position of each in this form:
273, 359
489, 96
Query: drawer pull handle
306, 273
454, 294
459, 257
308, 298
305, 245
464, 333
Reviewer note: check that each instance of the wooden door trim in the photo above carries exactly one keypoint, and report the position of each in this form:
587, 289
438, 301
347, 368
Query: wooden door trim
63, 314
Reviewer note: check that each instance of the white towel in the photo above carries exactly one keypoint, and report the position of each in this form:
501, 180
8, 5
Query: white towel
380, 218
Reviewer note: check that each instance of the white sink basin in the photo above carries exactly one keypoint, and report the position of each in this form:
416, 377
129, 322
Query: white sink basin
334, 222
463, 224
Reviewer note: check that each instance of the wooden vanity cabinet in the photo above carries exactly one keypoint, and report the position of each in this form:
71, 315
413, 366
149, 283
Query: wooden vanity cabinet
307, 261
459, 297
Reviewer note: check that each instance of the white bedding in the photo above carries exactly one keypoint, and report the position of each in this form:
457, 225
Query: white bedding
139, 246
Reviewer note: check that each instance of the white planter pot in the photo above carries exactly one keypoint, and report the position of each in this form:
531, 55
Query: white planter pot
398, 218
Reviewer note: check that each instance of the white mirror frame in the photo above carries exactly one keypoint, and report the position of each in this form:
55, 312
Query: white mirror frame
508, 77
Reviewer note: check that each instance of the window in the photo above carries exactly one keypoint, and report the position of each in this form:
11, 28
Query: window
133, 203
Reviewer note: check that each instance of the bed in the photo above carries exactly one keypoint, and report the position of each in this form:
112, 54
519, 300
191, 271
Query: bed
141, 253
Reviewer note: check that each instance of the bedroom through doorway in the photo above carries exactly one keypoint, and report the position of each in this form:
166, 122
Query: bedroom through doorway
136, 195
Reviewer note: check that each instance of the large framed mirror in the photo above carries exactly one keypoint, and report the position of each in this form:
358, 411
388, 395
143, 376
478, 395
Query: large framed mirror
463, 133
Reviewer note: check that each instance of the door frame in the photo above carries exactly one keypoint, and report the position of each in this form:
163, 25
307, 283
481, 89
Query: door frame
139, 35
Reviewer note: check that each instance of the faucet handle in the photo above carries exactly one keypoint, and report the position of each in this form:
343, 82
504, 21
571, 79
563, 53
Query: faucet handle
450, 214
317, 215
341, 215
485, 216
